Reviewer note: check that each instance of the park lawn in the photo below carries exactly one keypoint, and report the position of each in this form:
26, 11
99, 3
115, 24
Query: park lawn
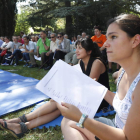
43, 134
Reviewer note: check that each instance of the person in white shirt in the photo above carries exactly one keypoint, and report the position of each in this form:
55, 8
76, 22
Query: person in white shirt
29, 47
53, 46
16, 44
7, 47
34, 40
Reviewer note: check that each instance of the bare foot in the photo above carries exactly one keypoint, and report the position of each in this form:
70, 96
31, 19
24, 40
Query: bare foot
14, 120
14, 127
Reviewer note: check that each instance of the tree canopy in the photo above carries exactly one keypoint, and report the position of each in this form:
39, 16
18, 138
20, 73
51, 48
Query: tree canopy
80, 15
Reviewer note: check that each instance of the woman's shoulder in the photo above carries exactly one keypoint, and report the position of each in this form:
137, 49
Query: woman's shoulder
98, 62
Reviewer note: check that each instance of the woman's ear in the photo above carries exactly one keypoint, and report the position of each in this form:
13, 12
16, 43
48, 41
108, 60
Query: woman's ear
136, 41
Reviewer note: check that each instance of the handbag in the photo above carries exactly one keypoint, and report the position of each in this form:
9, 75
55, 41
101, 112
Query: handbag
3, 53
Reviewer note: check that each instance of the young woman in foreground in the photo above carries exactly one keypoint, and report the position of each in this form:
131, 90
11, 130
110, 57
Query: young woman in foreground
91, 64
123, 47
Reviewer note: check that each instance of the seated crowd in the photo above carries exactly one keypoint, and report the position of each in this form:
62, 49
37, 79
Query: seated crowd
25, 48
122, 46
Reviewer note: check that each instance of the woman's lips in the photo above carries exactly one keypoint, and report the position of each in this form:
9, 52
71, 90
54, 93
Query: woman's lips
109, 51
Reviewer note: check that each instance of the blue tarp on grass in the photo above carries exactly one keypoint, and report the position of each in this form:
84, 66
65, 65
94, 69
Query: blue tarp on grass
18, 92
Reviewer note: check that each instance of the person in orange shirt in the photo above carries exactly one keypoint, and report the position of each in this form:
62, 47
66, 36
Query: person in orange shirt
99, 38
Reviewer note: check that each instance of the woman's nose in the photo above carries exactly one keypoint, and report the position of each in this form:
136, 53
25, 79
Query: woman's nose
106, 44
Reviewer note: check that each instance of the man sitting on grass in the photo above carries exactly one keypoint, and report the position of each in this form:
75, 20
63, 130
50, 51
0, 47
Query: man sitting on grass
50, 54
43, 46
29, 48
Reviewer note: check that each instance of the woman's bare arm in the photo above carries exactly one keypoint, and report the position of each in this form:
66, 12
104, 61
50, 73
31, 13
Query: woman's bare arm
97, 69
104, 132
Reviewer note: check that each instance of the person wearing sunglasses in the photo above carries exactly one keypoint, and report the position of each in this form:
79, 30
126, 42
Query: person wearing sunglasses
53, 46
63, 47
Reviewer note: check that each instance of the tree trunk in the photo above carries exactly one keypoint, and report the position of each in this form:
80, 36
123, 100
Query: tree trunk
69, 29
8, 17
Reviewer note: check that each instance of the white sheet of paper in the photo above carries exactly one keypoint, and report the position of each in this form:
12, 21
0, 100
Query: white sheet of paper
22, 50
63, 83
77, 67
37, 58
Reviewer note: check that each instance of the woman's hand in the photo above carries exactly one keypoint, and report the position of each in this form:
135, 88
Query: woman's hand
70, 111
51, 100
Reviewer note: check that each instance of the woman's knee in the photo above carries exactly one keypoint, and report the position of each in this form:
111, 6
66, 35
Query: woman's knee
66, 123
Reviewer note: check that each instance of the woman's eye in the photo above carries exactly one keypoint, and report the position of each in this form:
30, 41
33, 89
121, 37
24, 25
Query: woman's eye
113, 37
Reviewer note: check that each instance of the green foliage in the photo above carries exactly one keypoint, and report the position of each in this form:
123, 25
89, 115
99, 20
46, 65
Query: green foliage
80, 15
22, 23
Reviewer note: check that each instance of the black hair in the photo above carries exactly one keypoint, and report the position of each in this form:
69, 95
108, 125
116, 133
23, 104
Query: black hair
62, 34
7, 37
44, 32
89, 45
129, 23
27, 37
97, 27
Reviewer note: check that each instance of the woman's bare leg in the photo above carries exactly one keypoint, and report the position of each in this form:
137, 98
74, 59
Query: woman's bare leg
43, 119
73, 132
35, 122
42, 110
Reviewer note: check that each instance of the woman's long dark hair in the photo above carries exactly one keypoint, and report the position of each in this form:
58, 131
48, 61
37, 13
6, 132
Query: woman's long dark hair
89, 45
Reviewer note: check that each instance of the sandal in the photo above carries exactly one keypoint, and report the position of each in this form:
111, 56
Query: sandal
24, 129
0, 123
23, 118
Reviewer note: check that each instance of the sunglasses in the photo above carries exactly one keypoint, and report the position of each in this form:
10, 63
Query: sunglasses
59, 36
52, 37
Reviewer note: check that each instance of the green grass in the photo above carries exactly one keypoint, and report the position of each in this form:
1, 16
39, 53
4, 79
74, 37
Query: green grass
43, 134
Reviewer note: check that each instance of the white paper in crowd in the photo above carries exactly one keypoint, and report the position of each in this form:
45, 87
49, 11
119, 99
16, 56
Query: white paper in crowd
77, 67
22, 50
63, 83
54, 54
37, 58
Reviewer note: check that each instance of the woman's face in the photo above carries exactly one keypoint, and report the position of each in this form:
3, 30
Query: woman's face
81, 52
6, 40
118, 45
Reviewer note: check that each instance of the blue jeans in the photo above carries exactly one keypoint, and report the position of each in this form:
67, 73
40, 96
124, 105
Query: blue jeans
17, 54
110, 122
26, 56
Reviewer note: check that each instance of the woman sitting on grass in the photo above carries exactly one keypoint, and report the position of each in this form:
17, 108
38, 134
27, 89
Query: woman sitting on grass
91, 64
123, 47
